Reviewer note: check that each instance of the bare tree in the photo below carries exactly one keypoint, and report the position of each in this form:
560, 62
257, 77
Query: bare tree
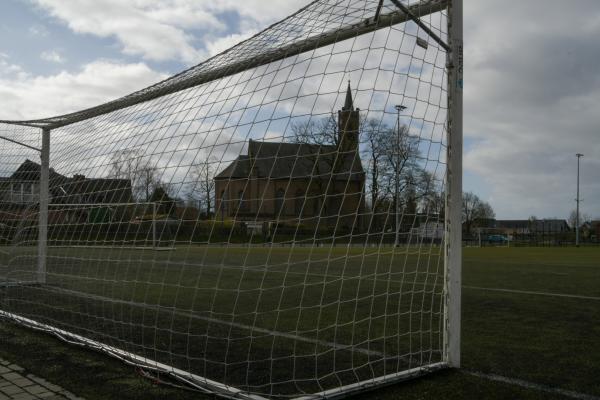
475, 210
401, 166
323, 135
131, 165
373, 153
434, 202
323, 131
390, 158
202, 186
573, 218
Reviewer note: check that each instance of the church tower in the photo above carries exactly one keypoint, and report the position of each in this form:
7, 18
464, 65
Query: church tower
348, 124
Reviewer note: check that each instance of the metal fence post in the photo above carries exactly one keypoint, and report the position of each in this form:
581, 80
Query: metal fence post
44, 200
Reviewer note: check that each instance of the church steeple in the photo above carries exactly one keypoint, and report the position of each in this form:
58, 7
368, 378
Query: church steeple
348, 104
348, 124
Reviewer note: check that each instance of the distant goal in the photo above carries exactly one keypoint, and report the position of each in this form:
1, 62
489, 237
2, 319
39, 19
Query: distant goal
124, 225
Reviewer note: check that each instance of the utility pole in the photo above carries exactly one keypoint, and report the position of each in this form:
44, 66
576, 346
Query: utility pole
399, 109
577, 200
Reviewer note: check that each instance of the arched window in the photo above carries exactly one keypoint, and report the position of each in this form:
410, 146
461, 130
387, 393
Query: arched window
279, 197
298, 202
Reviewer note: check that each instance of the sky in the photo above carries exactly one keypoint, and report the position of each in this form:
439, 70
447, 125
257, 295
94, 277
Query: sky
531, 97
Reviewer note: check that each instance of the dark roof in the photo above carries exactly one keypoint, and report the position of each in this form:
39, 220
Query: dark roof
63, 187
30, 171
111, 189
533, 225
550, 225
512, 223
293, 160
88, 185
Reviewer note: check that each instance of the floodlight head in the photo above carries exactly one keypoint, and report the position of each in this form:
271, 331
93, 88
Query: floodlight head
400, 107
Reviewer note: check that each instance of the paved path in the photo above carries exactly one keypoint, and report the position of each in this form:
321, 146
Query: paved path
17, 384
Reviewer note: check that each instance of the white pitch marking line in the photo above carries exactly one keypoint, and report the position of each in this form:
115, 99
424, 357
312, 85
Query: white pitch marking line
571, 296
291, 336
531, 385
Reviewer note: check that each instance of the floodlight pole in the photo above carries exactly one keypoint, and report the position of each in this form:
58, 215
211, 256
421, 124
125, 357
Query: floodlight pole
453, 215
577, 200
399, 109
44, 201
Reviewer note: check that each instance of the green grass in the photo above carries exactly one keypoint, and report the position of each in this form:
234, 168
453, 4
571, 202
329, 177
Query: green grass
554, 341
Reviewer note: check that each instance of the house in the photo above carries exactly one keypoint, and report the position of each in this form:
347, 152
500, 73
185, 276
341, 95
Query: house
430, 230
23, 185
531, 226
549, 226
595, 228
512, 226
21, 191
297, 183
82, 190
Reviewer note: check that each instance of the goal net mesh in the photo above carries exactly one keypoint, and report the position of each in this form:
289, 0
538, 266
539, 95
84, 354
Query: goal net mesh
297, 182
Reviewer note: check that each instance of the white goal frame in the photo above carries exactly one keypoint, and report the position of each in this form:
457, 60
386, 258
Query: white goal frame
452, 244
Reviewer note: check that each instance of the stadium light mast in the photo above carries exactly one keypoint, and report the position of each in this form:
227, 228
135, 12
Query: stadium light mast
399, 108
577, 200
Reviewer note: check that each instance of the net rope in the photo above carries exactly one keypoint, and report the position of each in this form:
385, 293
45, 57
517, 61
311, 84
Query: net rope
268, 223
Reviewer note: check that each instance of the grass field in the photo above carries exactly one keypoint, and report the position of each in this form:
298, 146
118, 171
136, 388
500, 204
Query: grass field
514, 323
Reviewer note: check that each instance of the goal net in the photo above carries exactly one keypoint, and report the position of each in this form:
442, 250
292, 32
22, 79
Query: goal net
307, 184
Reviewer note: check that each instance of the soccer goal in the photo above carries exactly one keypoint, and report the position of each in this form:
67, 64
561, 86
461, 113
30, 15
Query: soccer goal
307, 183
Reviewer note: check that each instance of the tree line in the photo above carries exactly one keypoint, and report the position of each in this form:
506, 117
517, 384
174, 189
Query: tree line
392, 160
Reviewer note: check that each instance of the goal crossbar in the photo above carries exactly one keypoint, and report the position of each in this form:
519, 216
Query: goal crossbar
199, 74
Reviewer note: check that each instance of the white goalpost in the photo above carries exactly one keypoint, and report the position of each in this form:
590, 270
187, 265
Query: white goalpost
307, 184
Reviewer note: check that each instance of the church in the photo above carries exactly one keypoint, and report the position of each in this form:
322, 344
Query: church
294, 184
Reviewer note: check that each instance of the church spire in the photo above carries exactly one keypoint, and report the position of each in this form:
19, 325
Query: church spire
348, 124
348, 103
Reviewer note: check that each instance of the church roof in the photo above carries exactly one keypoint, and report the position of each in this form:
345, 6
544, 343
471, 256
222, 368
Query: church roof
292, 160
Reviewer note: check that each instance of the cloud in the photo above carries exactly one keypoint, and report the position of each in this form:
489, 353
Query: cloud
52, 56
155, 31
260, 11
44, 96
531, 102
168, 29
223, 43
9, 70
38, 30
